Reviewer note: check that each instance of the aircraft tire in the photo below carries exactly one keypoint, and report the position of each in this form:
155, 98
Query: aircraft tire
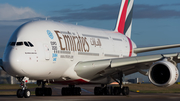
125, 91
111, 90
27, 93
64, 91
117, 90
77, 91
19, 93
98, 91
47, 92
39, 92
108, 90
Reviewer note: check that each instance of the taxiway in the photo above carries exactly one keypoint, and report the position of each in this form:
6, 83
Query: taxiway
87, 95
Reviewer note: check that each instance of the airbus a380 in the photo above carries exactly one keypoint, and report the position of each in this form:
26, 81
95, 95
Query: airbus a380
56, 52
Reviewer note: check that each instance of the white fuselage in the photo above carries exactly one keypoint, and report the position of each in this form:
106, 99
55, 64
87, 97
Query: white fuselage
58, 47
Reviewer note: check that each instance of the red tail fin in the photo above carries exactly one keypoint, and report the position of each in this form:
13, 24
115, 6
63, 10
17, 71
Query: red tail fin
124, 22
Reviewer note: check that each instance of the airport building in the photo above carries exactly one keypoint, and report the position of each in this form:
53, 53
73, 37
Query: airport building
7, 79
136, 80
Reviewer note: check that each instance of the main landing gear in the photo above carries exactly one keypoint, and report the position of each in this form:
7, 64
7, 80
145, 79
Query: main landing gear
71, 90
24, 92
43, 90
105, 90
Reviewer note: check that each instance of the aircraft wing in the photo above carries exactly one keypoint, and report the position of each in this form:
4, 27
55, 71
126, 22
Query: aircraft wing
94, 70
147, 49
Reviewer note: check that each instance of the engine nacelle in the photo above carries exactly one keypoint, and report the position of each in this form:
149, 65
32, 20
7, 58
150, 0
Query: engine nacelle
163, 73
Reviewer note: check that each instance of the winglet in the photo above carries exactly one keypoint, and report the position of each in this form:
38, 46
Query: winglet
124, 22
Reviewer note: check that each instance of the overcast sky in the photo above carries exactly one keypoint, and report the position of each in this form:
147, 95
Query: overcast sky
155, 22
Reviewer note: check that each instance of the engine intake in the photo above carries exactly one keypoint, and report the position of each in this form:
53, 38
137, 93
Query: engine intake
163, 73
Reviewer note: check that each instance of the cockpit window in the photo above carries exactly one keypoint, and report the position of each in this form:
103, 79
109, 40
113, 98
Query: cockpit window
26, 44
19, 43
30, 44
12, 43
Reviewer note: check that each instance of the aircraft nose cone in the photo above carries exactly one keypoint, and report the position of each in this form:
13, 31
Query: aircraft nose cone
12, 63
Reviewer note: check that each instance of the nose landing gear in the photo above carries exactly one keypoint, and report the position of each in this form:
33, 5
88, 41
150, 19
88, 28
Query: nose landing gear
24, 92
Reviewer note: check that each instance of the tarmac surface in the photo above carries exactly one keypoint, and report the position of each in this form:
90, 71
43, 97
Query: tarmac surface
87, 95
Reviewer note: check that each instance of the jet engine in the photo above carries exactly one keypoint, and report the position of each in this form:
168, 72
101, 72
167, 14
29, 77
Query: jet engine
163, 73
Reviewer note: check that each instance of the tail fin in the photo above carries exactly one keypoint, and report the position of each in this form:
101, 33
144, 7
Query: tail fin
124, 22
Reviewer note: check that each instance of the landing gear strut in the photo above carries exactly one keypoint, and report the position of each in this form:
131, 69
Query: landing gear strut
105, 90
71, 90
24, 92
121, 88
43, 90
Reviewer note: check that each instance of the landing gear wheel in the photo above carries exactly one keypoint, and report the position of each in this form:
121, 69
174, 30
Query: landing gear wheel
24, 92
47, 91
19, 93
117, 91
98, 91
125, 91
103, 90
107, 90
66, 91
63, 91
27, 93
77, 91
110, 90
39, 92
43, 91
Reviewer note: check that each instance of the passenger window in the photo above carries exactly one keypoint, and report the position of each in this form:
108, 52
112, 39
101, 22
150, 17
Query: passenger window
30, 44
26, 44
19, 43
12, 43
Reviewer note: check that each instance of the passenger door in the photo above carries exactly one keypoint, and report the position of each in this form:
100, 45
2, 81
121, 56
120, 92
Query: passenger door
46, 51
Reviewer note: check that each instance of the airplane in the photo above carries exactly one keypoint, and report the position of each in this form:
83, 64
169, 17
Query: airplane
60, 53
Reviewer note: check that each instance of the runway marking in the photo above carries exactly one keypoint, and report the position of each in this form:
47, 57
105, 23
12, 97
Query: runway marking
86, 91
